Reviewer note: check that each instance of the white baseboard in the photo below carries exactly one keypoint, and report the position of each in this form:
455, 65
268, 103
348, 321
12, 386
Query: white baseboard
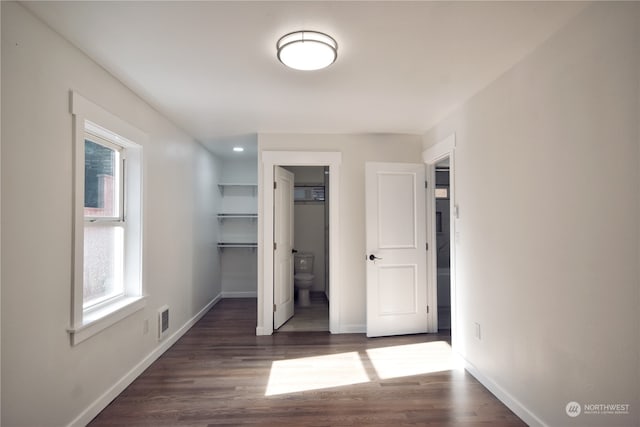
353, 329
99, 404
504, 396
233, 294
263, 331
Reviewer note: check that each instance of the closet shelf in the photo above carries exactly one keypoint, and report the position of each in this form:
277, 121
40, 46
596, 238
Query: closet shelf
237, 215
223, 185
223, 245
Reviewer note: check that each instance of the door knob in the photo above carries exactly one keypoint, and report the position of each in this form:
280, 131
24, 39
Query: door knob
294, 251
372, 257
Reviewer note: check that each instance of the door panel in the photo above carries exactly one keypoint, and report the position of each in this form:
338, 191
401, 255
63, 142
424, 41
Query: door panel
396, 249
396, 211
401, 298
283, 255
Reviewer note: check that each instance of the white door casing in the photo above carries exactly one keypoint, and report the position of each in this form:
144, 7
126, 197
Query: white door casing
444, 149
396, 249
269, 159
283, 248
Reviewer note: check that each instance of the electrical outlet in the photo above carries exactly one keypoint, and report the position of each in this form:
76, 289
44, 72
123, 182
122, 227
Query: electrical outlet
145, 327
477, 331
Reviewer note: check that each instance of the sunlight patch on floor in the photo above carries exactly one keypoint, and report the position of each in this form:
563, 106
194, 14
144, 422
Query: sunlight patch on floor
412, 359
313, 373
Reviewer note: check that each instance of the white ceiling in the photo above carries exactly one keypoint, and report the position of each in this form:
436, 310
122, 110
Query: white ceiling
211, 66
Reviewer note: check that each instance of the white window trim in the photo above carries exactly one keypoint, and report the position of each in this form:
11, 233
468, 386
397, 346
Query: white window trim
86, 323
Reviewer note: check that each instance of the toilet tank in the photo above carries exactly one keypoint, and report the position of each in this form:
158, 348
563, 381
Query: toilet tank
303, 262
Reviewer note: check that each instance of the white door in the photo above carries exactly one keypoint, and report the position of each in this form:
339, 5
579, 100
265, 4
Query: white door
283, 250
396, 249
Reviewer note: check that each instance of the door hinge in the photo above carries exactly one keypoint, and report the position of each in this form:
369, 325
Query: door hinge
275, 246
275, 185
427, 244
427, 309
426, 184
274, 308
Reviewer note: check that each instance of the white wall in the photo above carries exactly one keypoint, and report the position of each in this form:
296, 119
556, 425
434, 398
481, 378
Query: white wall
547, 175
46, 381
356, 150
306, 175
242, 170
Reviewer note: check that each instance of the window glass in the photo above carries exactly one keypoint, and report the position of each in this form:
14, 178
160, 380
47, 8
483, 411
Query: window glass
103, 231
103, 263
306, 193
101, 180
442, 193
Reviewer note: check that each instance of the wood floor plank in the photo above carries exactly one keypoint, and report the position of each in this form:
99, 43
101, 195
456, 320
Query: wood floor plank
220, 374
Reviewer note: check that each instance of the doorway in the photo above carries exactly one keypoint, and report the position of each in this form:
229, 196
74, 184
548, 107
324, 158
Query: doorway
442, 215
268, 162
443, 245
310, 249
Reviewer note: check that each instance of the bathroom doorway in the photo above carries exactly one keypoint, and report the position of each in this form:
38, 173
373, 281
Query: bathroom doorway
310, 249
268, 162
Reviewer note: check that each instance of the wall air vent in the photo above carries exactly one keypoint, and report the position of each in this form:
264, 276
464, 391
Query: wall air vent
163, 322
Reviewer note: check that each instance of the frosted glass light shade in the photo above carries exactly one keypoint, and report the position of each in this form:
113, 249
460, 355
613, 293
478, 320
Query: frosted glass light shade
307, 50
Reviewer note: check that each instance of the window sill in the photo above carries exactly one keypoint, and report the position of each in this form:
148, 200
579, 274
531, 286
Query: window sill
98, 320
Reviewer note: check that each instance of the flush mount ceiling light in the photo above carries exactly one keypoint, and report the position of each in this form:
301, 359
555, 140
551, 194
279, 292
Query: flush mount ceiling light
238, 149
307, 50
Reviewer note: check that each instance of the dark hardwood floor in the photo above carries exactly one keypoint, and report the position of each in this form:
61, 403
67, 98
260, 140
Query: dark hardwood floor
220, 373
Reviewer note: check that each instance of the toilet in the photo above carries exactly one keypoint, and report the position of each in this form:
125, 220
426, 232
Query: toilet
302, 278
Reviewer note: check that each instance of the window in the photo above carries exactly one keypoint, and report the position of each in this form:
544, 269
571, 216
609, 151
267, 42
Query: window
104, 225
308, 193
442, 192
107, 282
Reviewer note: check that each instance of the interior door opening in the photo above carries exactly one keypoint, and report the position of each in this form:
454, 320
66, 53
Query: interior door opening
304, 212
443, 245
442, 236
268, 161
